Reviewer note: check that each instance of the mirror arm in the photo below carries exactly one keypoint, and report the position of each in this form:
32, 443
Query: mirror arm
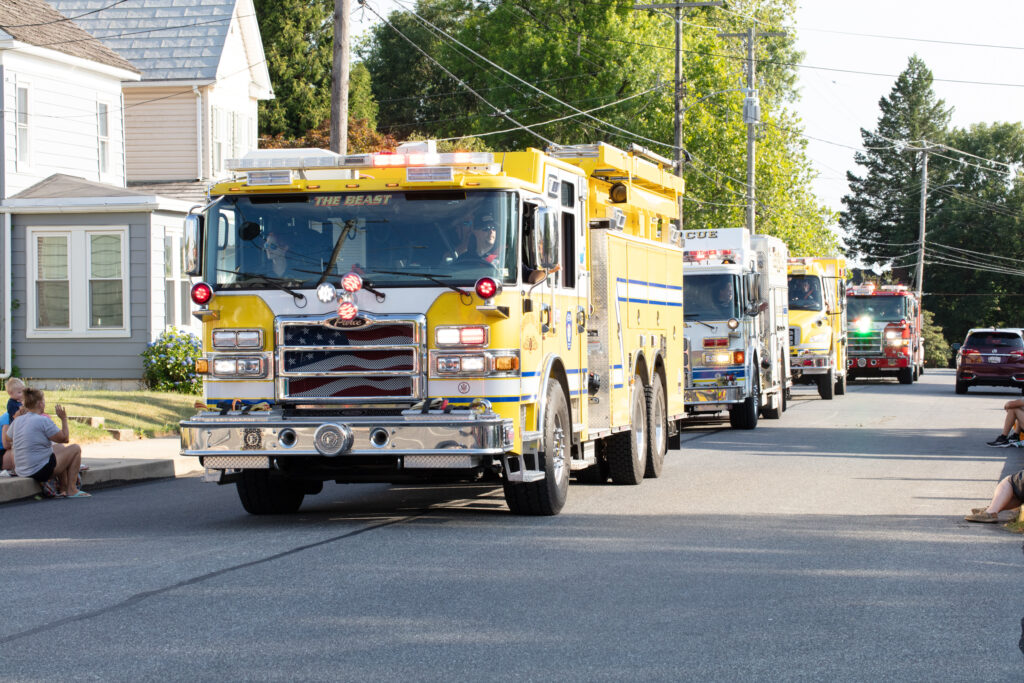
548, 272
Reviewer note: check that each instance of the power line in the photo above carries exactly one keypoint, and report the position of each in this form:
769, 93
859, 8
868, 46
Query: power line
456, 78
63, 18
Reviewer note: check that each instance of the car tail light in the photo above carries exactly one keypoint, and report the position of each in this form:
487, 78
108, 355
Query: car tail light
201, 293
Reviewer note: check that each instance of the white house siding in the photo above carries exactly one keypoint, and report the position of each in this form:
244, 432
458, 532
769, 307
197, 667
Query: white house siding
63, 128
231, 95
161, 134
84, 357
169, 224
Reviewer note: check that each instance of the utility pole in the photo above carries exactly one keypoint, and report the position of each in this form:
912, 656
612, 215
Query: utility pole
678, 137
920, 233
339, 78
751, 114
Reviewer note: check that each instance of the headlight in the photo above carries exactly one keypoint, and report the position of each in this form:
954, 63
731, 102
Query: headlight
489, 364
247, 366
238, 339
468, 335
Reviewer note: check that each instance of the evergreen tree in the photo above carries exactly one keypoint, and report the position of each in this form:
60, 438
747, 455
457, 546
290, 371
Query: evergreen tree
881, 218
297, 41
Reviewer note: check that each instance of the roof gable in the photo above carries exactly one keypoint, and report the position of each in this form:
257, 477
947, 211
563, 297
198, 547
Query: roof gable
36, 23
167, 40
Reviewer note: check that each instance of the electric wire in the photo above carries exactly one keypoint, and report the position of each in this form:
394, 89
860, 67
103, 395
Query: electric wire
63, 18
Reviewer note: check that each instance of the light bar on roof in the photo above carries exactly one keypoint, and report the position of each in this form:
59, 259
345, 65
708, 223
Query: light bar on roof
288, 159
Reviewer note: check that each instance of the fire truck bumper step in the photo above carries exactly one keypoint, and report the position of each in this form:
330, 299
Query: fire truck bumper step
457, 439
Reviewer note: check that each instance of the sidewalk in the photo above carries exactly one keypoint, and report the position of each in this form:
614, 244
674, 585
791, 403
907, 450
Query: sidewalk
112, 462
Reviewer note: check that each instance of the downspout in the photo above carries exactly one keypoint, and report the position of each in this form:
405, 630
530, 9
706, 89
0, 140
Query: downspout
199, 132
8, 356
8, 237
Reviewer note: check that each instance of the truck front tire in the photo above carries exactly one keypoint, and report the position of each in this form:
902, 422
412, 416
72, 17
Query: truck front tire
263, 494
827, 385
905, 375
744, 415
547, 496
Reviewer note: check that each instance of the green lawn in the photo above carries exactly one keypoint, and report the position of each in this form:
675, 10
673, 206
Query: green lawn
147, 413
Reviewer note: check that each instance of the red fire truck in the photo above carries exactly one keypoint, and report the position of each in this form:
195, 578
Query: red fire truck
884, 332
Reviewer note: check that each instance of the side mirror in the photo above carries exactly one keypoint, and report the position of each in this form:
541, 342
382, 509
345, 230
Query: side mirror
546, 238
193, 244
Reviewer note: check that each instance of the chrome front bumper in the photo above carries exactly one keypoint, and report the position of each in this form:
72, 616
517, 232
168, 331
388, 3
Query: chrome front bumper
420, 438
709, 398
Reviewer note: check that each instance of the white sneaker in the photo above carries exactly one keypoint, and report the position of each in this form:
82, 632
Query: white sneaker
4, 473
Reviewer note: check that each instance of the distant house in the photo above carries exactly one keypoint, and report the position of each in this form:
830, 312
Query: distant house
203, 74
107, 145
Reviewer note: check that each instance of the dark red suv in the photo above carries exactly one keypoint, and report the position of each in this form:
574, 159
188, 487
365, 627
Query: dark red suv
990, 357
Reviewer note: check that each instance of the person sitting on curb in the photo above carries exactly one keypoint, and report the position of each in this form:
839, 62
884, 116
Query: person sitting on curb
38, 449
7, 450
1014, 414
1008, 495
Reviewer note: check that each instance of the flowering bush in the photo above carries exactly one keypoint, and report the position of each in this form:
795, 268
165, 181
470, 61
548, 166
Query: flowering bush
169, 363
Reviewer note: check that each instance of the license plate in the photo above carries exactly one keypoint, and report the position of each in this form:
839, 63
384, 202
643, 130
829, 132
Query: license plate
994, 359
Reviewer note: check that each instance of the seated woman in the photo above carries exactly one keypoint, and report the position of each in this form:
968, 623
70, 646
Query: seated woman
38, 449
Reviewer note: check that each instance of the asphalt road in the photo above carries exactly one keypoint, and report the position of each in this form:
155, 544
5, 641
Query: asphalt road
828, 545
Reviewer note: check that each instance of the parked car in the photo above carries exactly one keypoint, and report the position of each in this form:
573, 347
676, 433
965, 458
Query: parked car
991, 357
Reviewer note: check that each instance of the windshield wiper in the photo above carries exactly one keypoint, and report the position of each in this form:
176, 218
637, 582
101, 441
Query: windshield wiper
278, 283
350, 226
436, 279
693, 316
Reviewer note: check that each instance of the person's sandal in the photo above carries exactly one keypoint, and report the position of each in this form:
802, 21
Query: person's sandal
983, 517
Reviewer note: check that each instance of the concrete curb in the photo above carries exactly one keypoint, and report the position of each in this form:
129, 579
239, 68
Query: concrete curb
116, 463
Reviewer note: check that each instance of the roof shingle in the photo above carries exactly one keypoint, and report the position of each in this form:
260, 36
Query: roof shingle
37, 23
165, 39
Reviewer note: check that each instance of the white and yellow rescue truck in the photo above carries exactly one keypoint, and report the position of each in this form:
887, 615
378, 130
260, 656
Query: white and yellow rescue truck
817, 323
885, 332
416, 316
736, 325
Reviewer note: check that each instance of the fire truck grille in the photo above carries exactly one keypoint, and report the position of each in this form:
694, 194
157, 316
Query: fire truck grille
866, 343
379, 360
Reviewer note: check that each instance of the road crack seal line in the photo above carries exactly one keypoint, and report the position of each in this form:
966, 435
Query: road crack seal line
139, 597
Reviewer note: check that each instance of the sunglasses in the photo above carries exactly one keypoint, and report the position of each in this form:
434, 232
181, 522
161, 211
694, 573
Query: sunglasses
490, 226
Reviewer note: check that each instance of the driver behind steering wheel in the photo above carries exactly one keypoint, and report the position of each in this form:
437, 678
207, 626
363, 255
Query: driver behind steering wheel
483, 242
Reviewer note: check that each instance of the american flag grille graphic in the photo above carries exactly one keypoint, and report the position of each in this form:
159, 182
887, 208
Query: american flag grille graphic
378, 360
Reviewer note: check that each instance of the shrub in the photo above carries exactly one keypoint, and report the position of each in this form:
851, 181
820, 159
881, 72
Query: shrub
170, 363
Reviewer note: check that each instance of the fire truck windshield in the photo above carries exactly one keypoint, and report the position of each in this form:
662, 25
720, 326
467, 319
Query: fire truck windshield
710, 297
805, 293
260, 242
889, 308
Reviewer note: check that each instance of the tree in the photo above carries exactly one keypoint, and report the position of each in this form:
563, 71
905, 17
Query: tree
936, 348
973, 252
604, 54
881, 215
297, 41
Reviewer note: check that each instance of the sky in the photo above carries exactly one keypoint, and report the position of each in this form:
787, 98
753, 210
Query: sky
835, 104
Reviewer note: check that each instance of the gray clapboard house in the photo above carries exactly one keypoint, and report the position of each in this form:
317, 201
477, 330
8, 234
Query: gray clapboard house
96, 186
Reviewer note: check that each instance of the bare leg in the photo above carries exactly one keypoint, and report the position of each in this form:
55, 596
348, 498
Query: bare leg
69, 460
1003, 498
1011, 417
8, 463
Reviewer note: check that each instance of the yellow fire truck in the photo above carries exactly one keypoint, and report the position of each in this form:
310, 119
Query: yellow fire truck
817, 323
426, 317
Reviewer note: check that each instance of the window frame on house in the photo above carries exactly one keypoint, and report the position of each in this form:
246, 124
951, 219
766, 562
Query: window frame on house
178, 284
218, 143
103, 139
22, 145
79, 277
